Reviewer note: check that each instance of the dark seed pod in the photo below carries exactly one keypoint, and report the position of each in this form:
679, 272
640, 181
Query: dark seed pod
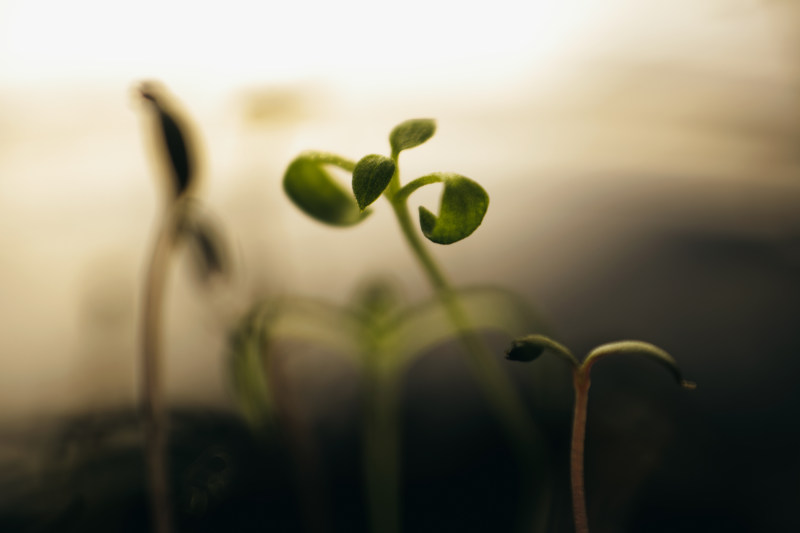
524, 352
173, 136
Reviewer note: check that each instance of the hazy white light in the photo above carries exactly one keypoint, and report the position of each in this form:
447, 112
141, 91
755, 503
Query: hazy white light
227, 43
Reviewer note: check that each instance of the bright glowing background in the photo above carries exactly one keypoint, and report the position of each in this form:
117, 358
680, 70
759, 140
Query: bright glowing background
222, 44
536, 99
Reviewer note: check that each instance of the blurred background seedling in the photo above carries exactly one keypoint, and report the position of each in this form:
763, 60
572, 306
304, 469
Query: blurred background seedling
379, 334
183, 220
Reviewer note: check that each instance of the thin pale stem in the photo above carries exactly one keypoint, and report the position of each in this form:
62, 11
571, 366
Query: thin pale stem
152, 399
582, 383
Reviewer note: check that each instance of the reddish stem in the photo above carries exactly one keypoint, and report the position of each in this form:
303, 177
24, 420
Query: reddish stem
582, 383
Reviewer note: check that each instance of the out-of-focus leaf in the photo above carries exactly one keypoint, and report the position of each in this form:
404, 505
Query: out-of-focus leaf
463, 206
488, 309
370, 177
209, 249
182, 163
247, 369
317, 321
377, 299
174, 137
639, 348
210, 257
311, 187
252, 346
411, 133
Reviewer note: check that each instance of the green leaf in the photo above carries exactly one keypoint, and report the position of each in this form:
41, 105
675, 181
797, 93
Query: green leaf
311, 187
638, 348
411, 133
463, 205
530, 347
370, 177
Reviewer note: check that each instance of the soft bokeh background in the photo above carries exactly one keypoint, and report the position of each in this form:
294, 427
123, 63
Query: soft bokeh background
643, 162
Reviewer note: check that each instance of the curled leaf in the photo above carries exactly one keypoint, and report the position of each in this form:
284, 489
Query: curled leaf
311, 187
371, 176
639, 348
462, 208
530, 347
174, 137
411, 133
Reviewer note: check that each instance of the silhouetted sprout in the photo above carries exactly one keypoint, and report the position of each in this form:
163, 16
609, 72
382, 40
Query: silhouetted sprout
177, 150
530, 347
182, 220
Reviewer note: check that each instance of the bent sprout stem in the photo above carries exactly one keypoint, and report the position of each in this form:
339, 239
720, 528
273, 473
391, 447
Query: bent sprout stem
531, 347
581, 383
152, 398
174, 138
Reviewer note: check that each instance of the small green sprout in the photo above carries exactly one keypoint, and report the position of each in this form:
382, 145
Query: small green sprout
312, 188
530, 347
310, 185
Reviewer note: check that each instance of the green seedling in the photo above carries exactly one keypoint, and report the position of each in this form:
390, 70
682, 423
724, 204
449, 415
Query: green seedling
182, 220
530, 347
310, 185
380, 335
463, 205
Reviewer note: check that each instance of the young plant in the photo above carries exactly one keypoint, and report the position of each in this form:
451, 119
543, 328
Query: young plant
181, 220
462, 207
531, 347
381, 336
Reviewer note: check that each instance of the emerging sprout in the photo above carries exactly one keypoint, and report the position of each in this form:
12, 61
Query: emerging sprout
530, 347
